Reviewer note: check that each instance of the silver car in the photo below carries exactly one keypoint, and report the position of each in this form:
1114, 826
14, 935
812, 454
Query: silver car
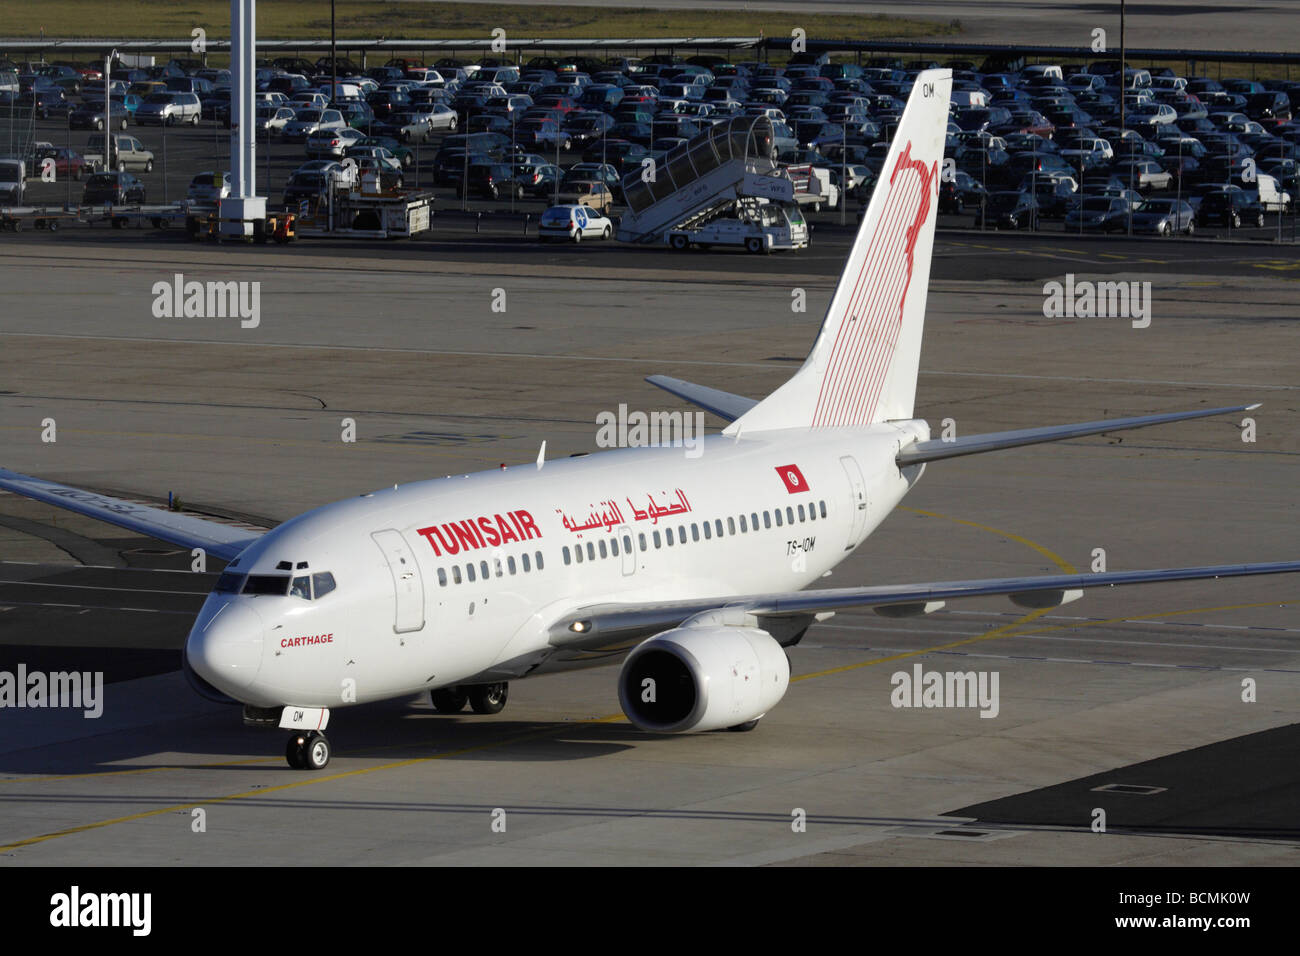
310, 120
332, 143
166, 108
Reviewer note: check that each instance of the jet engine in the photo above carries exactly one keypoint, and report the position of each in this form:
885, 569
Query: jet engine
692, 679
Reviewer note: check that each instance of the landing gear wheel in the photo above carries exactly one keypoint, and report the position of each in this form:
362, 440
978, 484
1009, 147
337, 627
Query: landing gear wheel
744, 728
295, 752
317, 751
449, 700
489, 698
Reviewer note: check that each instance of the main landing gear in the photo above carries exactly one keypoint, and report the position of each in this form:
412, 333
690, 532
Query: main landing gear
308, 750
482, 698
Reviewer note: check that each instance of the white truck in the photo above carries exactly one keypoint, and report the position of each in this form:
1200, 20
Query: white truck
757, 225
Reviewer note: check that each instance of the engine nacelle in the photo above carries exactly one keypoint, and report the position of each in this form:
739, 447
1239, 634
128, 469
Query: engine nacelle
697, 678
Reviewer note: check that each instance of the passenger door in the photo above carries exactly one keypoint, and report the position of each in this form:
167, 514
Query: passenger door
408, 583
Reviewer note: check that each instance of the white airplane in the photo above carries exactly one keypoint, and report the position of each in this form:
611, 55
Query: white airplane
691, 568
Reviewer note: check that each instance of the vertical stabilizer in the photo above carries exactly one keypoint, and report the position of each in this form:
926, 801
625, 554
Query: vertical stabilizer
863, 366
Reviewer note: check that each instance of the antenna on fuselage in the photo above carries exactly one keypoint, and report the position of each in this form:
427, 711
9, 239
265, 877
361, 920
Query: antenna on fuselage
541, 456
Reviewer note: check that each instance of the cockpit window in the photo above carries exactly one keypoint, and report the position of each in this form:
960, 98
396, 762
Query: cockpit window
323, 583
230, 582
301, 588
267, 584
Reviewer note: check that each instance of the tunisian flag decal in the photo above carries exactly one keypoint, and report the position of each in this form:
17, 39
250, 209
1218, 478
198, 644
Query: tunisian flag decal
793, 478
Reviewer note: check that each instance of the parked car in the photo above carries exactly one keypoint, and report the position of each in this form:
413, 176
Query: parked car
587, 192
13, 181
1009, 209
113, 189
1229, 207
1100, 213
70, 164
573, 223
209, 187
332, 143
310, 120
1164, 217
492, 180
128, 153
169, 109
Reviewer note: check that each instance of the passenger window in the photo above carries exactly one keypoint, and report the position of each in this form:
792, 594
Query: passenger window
681, 534
577, 553
497, 563
483, 569
669, 534
524, 558
613, 547
510, 564
591, 551
564, 552
778, 516
767, 519
469, 573
538, 557
823, 507
789, 515
301, 587
717, 526
455, 574
656, 540
322, 583
695, 532
801, 515
604, 549
708, 533
442, 577
627, 543
753, 520
744, 525
731, 525
812, 512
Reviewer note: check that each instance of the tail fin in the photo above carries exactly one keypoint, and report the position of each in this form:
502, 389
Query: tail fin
863, 366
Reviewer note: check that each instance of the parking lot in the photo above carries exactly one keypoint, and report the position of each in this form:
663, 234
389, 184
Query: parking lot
1024, 164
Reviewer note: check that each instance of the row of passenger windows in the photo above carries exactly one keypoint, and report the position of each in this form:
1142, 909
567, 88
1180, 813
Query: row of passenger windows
742, 524
502, 566
614, 546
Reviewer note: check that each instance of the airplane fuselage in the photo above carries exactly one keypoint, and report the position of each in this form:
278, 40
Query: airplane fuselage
457, 580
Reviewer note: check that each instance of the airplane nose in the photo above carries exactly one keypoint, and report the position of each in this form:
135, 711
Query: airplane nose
226, 650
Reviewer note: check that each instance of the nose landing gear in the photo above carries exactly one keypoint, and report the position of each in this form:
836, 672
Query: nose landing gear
308, 750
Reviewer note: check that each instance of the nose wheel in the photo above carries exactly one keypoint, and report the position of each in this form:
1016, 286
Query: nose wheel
309, 750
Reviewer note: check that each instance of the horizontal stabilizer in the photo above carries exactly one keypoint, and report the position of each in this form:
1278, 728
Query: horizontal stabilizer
936, 449
723, 404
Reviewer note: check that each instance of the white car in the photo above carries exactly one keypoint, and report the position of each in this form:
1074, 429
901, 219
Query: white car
573, 223
272, 119
209, 187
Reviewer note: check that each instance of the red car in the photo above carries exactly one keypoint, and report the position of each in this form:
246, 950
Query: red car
70, 163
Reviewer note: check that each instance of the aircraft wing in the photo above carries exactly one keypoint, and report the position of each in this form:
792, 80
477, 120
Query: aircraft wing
609, 625
936, 449
725, 405
188, 531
